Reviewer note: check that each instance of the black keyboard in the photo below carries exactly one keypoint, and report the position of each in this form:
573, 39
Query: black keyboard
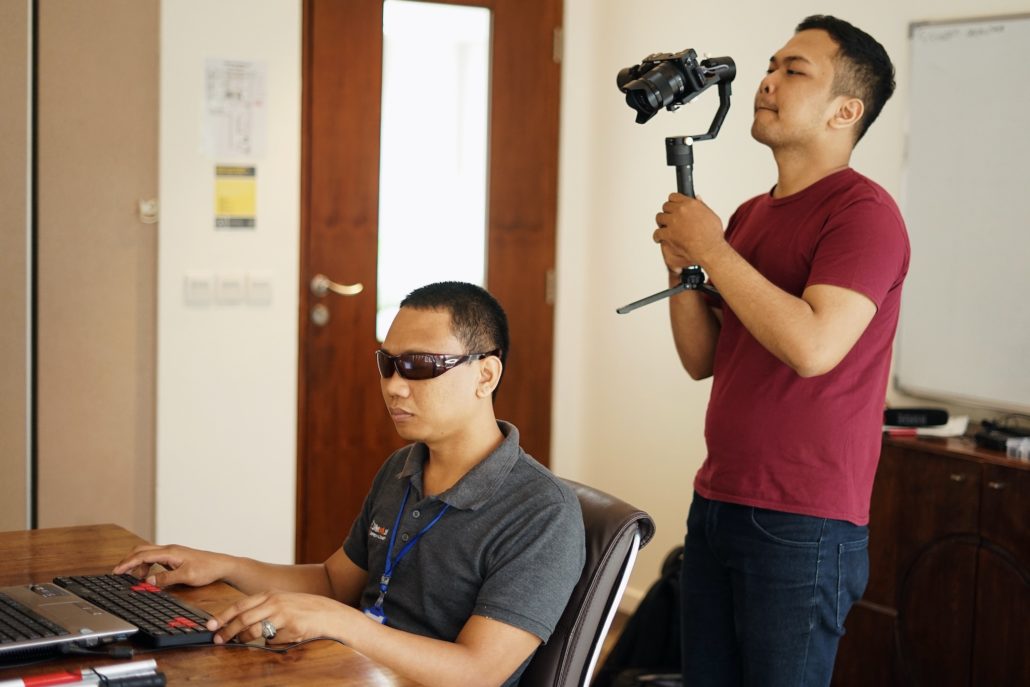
18, 623
162, 619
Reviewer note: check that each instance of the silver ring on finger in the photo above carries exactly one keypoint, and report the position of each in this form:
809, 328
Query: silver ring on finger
267, 629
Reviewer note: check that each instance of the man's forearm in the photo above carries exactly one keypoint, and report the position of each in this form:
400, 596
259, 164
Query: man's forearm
786, 325
251, 576
477, 660
695, 330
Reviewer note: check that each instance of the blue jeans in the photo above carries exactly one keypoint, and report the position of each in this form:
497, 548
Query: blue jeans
765, 594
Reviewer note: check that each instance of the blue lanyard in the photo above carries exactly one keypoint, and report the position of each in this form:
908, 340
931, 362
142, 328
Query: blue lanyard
384, 581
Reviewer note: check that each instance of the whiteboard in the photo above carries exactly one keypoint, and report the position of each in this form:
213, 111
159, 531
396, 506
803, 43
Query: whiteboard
964, 332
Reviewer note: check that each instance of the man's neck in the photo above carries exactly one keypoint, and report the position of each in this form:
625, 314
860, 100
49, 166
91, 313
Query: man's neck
797, 170
452, 458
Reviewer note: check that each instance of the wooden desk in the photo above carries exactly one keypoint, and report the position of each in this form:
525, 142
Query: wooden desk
41, 555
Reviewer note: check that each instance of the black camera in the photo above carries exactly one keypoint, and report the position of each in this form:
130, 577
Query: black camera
671, 79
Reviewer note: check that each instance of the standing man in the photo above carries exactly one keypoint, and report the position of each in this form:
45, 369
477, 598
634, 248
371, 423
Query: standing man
466, 551
810, 276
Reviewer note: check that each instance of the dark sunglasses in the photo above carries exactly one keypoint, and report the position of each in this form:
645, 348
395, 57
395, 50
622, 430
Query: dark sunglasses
423, 365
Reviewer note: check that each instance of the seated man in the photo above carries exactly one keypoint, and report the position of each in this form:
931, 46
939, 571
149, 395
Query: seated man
466, 551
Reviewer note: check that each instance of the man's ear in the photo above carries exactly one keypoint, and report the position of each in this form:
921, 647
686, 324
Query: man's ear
489, 376
848, 113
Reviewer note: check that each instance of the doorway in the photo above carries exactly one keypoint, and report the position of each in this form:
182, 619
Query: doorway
344, 432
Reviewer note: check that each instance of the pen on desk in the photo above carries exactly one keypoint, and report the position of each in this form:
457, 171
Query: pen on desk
900, 431
151, 679
115, 674
63, 678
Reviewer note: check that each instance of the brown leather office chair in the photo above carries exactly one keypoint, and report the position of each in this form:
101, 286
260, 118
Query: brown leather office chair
615, 531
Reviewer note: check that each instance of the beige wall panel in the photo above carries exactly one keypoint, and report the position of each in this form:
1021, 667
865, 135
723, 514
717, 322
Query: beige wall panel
14, 152
98, 73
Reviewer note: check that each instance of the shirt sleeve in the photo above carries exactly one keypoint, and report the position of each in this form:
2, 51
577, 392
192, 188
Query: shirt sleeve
534, 568
356, 543
863, 248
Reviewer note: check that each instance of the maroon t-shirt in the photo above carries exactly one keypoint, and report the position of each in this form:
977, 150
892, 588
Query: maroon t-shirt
780, 441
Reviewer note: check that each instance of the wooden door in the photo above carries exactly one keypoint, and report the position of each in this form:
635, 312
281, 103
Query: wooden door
344, 433
1003, 579
96, 157
936, 542
923, 520
15, 266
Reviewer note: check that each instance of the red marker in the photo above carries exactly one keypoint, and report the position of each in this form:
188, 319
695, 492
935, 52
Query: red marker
901, 432
113, 674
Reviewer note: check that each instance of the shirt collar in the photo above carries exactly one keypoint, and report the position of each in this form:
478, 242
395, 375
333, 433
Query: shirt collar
481, 482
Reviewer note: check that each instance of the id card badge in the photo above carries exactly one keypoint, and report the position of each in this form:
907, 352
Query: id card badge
376, 614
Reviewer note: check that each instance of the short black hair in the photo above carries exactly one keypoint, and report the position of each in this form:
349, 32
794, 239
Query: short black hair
866, 70
477, 319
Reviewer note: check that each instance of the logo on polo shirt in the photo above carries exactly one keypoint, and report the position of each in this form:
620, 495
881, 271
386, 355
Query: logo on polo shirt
377, 531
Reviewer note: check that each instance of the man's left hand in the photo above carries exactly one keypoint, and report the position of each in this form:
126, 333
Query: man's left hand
295, 617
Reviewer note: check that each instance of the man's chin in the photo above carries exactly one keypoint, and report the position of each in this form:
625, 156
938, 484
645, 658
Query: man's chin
408, 433
407, 430
759, 133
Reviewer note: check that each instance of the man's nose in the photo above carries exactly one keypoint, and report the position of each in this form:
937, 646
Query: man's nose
767, 84
395, 385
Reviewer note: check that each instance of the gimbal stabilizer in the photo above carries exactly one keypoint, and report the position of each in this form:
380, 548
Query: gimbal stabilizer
679, 153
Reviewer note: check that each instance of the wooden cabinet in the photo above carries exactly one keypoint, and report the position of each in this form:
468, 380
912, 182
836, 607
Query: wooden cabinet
948, 599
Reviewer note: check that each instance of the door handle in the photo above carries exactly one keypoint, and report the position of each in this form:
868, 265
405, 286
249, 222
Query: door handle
321, 285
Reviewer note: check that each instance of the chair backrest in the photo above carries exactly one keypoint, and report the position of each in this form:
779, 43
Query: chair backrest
615, 531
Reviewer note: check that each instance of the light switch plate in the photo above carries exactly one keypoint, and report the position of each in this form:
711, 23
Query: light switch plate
198, 289
259, 289
230, 289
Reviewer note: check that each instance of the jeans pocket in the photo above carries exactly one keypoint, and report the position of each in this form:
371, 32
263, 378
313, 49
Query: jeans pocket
790, 529
852, 575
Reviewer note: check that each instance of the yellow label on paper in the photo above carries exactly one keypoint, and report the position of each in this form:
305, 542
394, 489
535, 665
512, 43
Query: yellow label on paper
235, 197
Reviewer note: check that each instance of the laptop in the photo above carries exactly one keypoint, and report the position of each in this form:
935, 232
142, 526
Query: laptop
35, 617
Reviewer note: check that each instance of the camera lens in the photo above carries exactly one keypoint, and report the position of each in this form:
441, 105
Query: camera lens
654, 90
626, 75
643, 98
667, 83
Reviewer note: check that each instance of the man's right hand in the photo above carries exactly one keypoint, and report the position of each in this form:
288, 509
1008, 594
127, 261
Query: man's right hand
184, 565
688, 231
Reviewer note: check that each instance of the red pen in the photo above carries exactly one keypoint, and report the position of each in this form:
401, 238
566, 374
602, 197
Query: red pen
901, 432
86, 676
48, 679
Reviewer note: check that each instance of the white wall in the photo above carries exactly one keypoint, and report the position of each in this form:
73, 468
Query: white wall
627, 418
227, 373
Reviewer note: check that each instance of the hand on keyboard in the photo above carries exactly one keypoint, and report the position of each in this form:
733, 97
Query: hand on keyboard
162, 619
184, 565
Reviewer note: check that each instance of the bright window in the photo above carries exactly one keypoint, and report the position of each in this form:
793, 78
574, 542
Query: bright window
433, 149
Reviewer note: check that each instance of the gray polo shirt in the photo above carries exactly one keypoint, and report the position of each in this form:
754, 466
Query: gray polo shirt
510, 546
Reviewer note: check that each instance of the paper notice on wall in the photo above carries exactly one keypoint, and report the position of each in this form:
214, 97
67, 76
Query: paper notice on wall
235, 197
235, 108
